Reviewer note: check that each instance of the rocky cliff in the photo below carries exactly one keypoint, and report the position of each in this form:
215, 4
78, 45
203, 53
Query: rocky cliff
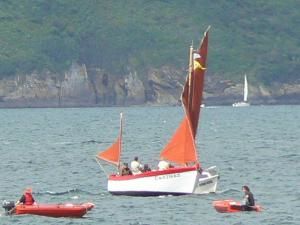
81, 86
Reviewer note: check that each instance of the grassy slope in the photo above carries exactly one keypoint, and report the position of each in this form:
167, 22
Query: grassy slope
257, 37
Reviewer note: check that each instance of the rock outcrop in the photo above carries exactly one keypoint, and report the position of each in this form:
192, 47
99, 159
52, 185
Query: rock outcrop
164, 86
81, 86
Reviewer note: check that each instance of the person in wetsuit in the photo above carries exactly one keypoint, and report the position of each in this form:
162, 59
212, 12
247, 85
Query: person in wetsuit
248, 201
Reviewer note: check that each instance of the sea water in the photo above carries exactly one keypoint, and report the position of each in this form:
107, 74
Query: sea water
53, 151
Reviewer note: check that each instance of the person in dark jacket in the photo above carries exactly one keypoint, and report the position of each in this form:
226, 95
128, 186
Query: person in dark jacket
248, 201
125, 170
146, 168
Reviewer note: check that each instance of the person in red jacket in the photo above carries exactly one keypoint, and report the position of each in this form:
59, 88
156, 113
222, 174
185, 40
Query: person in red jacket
27, 198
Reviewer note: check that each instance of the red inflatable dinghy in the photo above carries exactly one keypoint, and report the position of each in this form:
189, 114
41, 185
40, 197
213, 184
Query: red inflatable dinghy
231, 206
55, 210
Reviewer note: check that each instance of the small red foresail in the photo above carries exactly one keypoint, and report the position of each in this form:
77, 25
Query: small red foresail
113, 153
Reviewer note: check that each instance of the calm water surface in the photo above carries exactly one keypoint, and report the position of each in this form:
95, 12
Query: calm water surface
52, 151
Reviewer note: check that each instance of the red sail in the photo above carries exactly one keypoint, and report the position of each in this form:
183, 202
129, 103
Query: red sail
113, 153
181, 149
193, 88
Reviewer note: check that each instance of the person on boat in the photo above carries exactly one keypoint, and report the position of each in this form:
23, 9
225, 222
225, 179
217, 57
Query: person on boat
27, 198
125, 170
163, 165
248, 200
146, 168
136, 166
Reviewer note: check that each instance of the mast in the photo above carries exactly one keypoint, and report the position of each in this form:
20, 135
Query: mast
190, 87
121, 138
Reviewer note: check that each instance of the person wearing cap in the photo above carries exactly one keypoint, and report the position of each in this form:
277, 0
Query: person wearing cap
27, 198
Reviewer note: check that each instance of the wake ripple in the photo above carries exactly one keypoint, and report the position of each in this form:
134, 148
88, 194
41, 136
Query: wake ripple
71, 191
228, 191
91, 142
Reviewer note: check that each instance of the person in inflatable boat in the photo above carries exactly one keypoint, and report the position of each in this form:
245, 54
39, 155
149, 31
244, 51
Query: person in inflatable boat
248, 201
27, 198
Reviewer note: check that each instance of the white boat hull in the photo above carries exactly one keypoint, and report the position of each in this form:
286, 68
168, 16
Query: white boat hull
240, 104
175, 181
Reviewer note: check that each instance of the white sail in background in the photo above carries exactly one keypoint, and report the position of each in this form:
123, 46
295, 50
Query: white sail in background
243, 103
245, 89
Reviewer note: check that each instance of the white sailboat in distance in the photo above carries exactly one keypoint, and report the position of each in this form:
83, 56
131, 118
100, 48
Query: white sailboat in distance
243, 103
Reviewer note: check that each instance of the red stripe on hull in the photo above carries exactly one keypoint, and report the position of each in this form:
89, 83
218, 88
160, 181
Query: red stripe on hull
153, 173
145, 193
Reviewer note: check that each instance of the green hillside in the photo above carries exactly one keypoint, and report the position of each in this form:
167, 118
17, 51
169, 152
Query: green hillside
257, 37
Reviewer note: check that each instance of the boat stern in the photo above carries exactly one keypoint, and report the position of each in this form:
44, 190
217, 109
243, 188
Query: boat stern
207, 181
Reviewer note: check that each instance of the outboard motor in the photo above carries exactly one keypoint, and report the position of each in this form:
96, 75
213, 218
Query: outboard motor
8, 206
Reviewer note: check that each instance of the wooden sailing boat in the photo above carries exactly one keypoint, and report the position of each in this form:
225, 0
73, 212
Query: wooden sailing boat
187, 176
243, 103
